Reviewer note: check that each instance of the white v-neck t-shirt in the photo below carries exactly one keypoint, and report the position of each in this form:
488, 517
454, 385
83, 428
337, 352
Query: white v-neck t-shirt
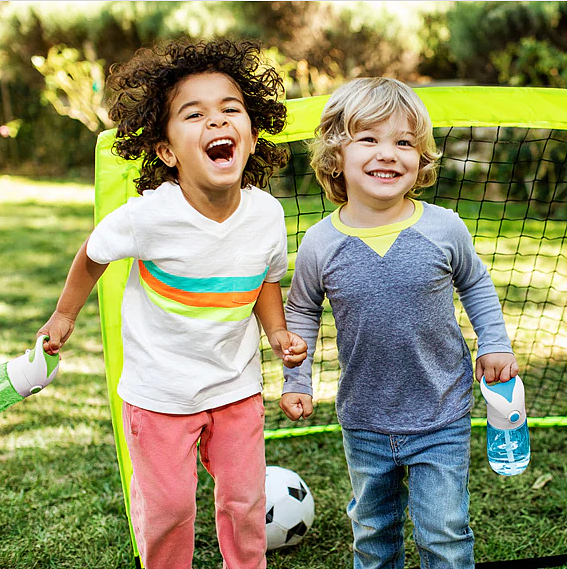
190, 337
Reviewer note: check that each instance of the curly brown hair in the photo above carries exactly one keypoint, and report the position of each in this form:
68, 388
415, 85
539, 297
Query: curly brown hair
141, 89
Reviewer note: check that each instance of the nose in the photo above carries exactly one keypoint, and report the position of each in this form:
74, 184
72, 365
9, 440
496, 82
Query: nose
217, 119
385, 152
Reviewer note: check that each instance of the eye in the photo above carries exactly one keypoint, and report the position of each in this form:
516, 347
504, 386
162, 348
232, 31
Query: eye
193, 116
407, 143
232, 110
367, 138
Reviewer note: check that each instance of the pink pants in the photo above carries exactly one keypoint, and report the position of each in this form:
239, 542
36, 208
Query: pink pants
163, 451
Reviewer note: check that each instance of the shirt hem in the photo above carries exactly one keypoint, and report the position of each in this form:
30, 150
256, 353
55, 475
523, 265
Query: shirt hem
403, 430
187, 409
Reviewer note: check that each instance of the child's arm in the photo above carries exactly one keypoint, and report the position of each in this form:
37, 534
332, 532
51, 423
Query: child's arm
497, 366
83, 275
297, 399
303, 311
495, 359
285, 344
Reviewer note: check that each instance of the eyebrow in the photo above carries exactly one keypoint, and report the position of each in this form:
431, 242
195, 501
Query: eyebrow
197, 103
393, 133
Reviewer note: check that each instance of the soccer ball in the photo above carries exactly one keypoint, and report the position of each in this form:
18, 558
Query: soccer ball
290, 508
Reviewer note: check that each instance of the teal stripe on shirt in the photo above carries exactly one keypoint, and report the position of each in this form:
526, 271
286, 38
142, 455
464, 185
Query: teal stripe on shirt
209, 284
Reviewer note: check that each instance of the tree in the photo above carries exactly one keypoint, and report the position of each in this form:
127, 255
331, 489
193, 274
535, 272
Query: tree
486, 38
531, 62
75, 87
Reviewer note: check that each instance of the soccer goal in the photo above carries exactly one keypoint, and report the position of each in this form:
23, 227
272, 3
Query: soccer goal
504, 170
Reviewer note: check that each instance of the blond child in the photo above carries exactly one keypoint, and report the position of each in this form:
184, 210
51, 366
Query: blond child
389, 265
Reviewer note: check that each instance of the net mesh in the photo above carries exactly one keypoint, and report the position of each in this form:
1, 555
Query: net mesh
509, 185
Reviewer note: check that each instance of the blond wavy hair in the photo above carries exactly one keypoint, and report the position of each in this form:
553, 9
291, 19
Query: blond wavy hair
361, 104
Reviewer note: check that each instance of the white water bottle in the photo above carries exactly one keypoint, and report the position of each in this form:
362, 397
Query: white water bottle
507, 435
27, 374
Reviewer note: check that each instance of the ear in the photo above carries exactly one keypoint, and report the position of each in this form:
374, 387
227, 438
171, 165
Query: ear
254, 141
165, 154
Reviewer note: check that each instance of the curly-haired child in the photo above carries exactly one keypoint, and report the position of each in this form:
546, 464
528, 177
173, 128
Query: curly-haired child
209, 250
389, 265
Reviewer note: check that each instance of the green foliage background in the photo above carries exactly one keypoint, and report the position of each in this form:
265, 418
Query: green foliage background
316, 46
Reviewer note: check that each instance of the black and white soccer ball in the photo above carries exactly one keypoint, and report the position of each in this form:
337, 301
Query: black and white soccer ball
290, 508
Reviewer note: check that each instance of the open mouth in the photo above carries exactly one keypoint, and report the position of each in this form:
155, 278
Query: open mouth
221, 151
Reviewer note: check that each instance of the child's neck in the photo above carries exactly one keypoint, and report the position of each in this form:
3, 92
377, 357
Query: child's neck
215, 206
359, 215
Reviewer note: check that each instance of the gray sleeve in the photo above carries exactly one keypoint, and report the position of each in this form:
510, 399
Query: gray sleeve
477, 292
303, 310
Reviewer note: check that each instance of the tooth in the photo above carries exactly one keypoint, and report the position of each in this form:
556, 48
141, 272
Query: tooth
382, 175
220, 141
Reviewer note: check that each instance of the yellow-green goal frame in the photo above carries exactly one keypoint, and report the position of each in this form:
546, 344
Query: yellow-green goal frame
528, 107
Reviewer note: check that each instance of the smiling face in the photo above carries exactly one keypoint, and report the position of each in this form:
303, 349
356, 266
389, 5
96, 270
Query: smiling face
380, 164
209, 136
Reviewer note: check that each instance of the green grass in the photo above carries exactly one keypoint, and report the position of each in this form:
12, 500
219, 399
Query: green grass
62, 503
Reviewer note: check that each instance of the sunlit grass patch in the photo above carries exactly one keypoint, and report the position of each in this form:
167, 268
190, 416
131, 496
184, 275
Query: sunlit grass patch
18, 189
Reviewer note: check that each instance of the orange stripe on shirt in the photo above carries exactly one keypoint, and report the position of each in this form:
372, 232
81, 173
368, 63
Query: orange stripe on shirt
203, 299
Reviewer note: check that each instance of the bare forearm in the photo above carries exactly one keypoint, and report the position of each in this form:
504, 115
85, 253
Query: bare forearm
83, 275
269, 308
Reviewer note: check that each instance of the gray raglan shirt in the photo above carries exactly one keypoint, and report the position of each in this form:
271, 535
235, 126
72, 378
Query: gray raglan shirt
405, 366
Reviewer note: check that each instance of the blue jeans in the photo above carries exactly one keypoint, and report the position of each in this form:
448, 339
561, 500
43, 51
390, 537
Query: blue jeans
437, 494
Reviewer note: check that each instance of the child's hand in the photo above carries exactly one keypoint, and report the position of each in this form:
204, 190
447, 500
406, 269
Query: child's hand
498, 366
296, 405
59, 327
290, 347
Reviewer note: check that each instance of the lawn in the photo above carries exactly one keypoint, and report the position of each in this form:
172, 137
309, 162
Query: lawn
62, 502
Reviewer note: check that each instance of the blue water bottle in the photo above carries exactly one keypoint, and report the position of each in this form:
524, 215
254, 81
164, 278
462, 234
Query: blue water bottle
507, 435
